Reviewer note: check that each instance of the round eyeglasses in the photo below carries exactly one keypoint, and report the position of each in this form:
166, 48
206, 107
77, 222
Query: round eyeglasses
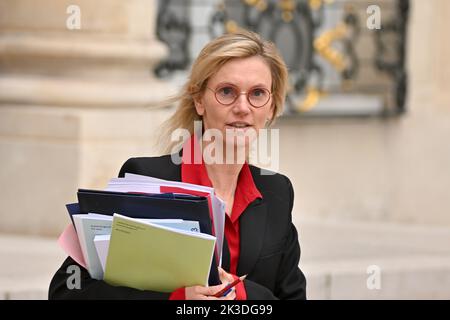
228, 94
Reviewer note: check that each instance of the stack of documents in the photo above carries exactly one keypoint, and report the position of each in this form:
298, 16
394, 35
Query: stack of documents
147, 233
144, 184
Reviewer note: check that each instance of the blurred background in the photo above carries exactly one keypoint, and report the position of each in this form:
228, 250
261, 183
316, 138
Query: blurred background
365, 137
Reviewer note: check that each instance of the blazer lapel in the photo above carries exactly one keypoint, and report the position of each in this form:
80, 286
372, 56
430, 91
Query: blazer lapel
252, 228
225, 255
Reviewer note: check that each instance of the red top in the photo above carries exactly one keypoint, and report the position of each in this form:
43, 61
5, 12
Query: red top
246, 192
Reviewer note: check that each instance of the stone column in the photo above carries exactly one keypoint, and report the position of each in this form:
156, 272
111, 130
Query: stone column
429, 52
76, 88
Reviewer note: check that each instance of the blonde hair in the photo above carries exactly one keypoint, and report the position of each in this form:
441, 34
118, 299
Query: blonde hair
213, 56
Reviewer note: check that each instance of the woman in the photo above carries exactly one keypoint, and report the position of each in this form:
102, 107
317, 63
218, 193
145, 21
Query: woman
237, 85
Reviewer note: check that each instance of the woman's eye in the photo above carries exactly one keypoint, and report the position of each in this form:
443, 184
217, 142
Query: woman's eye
258, 93
226, 91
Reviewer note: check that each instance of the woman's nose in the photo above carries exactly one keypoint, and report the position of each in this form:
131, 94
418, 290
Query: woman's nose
241, 105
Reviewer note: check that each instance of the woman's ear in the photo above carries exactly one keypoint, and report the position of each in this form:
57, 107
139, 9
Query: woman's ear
199, 106
271, 115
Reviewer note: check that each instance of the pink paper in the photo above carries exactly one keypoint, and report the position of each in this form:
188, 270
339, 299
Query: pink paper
68, 241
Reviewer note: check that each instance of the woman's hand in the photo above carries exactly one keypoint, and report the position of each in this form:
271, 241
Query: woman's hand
207, 293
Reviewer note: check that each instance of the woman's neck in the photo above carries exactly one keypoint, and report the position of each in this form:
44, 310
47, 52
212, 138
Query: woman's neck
224, 178
224, 173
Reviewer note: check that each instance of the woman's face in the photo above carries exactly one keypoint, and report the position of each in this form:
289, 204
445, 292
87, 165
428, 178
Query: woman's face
250, 75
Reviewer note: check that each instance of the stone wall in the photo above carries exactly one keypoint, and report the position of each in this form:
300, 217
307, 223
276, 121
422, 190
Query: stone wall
74, 103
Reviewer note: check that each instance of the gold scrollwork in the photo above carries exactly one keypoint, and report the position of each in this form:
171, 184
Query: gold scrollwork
316, 4
313, 96
287, 8
231, 26
261, 5
323, 46
323, 43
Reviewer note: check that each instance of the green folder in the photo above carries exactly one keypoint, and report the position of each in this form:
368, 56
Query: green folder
147, 256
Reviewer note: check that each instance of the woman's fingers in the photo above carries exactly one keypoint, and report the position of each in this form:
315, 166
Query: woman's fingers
207, 293
222, 275
225, 276
200, 292
210, 291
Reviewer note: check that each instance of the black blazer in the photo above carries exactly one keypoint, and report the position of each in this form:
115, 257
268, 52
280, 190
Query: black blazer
269, 251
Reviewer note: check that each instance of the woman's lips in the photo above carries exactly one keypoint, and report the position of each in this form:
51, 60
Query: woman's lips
240, 129
238, 125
